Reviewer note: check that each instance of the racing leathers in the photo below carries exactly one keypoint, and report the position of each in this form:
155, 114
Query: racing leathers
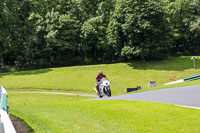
98, 79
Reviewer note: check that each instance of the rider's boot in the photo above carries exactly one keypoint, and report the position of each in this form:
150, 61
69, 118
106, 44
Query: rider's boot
98, 90
99, 94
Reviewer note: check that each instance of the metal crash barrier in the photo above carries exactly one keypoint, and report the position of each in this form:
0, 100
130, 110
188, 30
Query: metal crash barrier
6, 125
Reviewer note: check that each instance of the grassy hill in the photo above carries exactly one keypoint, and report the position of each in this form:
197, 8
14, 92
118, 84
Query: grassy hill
62, 113
81, 79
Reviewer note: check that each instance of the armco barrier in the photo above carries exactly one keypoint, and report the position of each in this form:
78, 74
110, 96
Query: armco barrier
183, 80
6, 125
134, 89
192, 78
3, 100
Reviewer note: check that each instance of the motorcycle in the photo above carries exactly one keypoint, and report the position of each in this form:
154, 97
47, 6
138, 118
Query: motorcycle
104, 88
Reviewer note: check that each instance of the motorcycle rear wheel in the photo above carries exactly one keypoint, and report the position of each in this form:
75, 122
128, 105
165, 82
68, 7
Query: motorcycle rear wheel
100, 96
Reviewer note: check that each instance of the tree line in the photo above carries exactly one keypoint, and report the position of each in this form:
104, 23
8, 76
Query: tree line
54, 33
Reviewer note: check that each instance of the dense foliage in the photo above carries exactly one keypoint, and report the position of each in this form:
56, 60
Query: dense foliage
41, 33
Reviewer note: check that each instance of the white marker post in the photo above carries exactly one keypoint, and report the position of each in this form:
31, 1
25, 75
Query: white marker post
193, 58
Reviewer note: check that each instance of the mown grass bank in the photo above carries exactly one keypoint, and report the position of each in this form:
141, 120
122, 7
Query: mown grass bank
81, 79
61, 113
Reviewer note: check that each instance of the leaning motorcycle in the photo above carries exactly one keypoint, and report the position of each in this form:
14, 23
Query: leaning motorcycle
104, 88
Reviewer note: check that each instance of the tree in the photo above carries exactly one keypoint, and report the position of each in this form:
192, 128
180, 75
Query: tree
13, 30
192, 21
139, 24
55, 39
94, 30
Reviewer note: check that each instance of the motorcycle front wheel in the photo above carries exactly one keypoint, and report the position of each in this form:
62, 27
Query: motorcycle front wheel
108, 92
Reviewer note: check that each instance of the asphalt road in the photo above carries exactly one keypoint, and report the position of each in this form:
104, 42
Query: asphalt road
183, 96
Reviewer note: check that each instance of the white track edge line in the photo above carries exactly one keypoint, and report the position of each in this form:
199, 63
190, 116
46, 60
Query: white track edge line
187, 106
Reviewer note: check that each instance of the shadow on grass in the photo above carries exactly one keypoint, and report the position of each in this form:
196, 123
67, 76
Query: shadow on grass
30, 72
171, 64
20, 125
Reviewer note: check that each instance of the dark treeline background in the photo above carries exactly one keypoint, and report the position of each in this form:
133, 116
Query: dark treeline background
54, 33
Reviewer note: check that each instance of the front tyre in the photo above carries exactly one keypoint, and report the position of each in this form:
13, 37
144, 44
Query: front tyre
109, 92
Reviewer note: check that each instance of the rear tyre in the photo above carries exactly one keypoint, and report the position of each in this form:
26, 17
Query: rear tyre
100, 96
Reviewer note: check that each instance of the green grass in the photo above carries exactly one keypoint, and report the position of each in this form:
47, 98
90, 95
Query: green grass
81, 79
189, 83
60, 114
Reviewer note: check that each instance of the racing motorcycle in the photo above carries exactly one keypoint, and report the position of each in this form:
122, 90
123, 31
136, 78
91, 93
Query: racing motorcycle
104, 88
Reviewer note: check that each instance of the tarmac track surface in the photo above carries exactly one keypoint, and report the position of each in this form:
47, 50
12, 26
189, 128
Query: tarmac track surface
188, 96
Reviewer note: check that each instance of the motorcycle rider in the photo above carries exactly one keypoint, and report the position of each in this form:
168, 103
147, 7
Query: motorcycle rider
98, 79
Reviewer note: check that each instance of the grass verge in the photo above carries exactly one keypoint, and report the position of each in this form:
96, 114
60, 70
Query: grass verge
61, 113
188, 83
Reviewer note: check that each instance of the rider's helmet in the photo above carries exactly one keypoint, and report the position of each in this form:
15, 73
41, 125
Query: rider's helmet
100, 72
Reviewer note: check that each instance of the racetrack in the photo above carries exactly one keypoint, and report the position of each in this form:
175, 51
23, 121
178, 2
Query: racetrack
188, 96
